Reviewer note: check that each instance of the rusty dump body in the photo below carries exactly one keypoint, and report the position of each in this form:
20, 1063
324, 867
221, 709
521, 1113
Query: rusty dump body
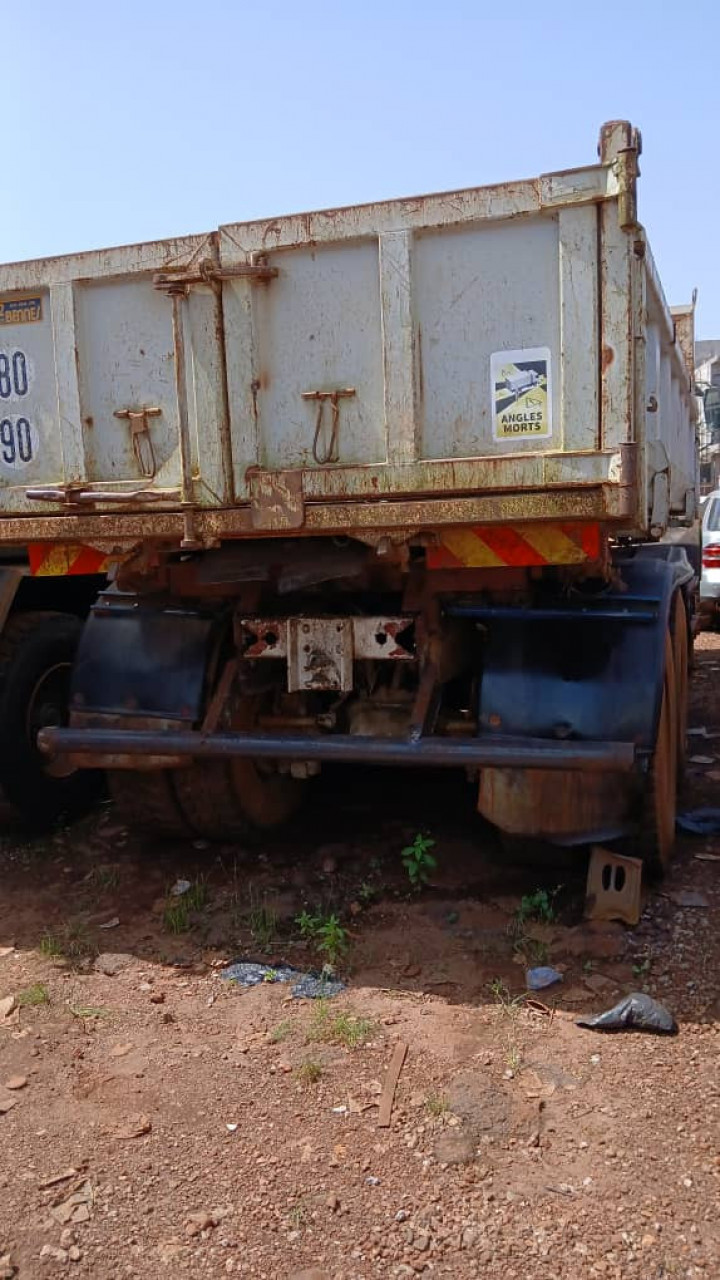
373, 484
484, 356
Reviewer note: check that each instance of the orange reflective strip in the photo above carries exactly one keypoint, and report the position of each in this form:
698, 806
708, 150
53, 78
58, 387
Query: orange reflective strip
517, 545
55, 560
589, 537
510, 545
554, 545
90, 561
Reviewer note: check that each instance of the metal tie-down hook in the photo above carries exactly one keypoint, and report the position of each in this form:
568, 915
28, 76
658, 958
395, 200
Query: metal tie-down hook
331, 454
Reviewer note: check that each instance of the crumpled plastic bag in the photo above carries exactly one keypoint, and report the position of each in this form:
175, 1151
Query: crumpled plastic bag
542, 977
307, 986
636, 1012
699, 822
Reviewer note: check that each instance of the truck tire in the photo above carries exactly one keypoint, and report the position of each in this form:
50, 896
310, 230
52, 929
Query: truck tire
37, 651
230, 800
215, 799
657, 833
681, 654
147, 803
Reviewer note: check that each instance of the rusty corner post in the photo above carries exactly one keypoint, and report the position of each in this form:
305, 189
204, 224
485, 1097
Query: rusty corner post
621, 146
178, 294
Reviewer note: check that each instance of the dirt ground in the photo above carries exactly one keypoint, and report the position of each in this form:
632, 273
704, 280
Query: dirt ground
158, 1120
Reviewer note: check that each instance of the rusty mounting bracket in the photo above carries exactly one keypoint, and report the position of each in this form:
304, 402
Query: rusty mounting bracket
621, 146
208, 272
330, 454
142, 445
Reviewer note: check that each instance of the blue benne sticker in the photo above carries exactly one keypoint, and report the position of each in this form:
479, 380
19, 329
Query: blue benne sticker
20, 310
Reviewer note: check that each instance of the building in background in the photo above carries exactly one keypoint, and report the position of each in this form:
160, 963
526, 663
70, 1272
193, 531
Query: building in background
707, 381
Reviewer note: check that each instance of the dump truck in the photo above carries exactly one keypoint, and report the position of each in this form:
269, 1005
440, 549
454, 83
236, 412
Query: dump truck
384, 484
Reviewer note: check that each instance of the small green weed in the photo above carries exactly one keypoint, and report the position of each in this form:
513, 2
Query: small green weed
84, 1012
176, 916
418, 860
642, 969
298, 1214
104, 877
326, 934
513, 1057
78, 942
340, 1028
436, 1104
179, 909
309, 1072
50, 946
538, 906
281, 1032
197, 895
72, 942
33, 996
263, 923
533, 951
307, 925
510, 1005
510, 1008
367, 891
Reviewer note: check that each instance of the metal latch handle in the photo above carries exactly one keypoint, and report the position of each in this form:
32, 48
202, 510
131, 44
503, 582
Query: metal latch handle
142, 444
71, 496
208, 272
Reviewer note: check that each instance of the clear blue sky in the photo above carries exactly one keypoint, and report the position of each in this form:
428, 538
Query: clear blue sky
138, 120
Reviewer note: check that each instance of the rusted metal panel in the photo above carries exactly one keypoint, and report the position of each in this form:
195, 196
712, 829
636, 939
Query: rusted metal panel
319, 654
339, 370
684, 321
402, 348
617, 339
278, 500
480, 289
566, 807
448, 209
333, 642
579, 327
118, 533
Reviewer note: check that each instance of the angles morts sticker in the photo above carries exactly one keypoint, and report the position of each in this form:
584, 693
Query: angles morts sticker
521, 394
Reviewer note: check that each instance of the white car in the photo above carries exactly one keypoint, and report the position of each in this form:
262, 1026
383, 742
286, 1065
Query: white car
710, 573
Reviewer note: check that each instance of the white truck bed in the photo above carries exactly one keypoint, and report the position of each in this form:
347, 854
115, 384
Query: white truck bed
502, 353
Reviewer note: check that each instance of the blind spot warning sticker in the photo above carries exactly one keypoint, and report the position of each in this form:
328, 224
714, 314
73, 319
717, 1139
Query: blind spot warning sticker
521, 394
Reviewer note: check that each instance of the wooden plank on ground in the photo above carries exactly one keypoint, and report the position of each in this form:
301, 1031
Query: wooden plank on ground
387, 1096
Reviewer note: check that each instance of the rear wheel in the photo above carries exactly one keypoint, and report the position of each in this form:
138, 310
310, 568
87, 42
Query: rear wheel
214, 799
681, 652
37, 651
146, 802
657, 835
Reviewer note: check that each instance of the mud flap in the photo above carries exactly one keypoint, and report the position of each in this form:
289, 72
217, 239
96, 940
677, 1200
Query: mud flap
140, 662
584, 671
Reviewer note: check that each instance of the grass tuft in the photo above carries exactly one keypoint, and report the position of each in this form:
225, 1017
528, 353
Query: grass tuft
33, 996
309, 1072
340, 1028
